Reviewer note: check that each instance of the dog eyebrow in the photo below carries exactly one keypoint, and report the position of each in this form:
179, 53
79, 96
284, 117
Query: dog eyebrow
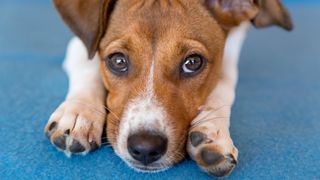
195, 46
115, 45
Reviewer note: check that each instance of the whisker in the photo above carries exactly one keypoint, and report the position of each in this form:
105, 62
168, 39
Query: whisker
94, 109
106, 145
114, 114
88, 105
112, 122
199, 120
197, 123
211, 111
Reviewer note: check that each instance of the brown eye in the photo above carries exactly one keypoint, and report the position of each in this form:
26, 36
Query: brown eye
192, 64
118, 63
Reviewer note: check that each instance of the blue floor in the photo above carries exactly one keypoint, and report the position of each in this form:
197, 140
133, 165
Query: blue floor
275, 120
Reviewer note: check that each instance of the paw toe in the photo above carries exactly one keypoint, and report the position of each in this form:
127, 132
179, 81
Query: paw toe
216, 163
73, 127
76, 147
52, 126
224, 168
230, 158
211, 157
60, 142
50, 129
93, 146
197, 138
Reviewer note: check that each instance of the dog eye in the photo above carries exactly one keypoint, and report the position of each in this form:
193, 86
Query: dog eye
192, 64
118, 63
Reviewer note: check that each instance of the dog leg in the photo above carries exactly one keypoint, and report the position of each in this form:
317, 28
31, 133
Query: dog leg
209, 143
77, 124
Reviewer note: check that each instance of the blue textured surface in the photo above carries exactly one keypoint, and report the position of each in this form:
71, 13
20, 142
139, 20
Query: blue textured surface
275, 120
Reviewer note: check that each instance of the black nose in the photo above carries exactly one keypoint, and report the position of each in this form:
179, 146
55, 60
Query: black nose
147, 147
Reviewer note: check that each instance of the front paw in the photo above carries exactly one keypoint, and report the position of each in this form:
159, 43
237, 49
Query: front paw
213, 151
76, 127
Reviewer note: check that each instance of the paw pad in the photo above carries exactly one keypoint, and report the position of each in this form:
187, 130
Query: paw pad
211, 157
93, 146
217, 164
76, 127
60, 142
76, 147
197, 138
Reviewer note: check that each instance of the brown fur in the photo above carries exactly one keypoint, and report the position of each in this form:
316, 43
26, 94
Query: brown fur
167, 43
163, 32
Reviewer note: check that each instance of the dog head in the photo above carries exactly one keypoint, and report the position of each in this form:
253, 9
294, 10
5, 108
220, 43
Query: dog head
159, 62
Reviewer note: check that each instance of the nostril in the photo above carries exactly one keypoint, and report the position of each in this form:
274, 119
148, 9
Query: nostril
136, 153
154, 154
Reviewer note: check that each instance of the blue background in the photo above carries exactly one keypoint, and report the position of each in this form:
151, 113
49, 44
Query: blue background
275, 120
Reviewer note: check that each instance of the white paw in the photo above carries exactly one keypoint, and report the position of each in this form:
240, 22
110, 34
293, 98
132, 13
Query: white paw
214, 157
76, 127
210, 145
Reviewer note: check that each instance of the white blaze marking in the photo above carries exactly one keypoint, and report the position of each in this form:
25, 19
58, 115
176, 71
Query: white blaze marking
142, 113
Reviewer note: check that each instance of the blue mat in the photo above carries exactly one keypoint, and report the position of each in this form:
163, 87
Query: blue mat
275, 120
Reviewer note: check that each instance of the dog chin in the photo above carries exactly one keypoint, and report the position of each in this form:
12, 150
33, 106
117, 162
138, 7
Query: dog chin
152, 168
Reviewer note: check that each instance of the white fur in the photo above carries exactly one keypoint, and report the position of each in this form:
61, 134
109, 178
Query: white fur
83, 111
224, 93
84, 75
219, 102
86, 89
143, 113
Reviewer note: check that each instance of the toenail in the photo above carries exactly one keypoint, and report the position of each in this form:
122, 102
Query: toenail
93, 146
67, 132
76, 147
226, 168
231, 159
60, 142
211, 157
52, 126
197, 138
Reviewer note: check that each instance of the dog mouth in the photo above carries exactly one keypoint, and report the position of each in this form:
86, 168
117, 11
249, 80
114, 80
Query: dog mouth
150, 168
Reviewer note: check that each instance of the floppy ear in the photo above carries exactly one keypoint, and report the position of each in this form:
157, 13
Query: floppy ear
272, 12
87, 19
262, 13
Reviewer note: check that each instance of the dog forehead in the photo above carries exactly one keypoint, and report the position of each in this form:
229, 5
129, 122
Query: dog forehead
146, 23
161, 16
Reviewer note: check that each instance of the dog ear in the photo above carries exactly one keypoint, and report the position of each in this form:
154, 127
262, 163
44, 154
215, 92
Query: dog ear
262, 13
272, 12
230, 13
87, 19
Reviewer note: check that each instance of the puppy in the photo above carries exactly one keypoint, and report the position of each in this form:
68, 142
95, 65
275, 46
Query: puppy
165, 69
